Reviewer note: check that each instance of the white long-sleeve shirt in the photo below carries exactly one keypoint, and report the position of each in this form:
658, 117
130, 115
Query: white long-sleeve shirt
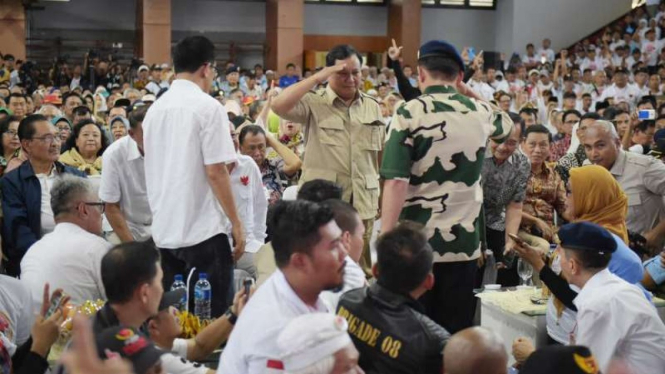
614, 319
251, 201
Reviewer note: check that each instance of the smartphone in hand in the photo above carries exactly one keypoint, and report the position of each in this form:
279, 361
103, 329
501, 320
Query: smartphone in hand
247, 284
517, 239
56, 303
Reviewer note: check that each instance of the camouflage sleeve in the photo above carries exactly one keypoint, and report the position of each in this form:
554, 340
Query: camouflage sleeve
300, 112
398, 149
501, 124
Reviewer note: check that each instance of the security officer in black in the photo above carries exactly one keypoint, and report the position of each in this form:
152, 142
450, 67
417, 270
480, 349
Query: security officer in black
388, 326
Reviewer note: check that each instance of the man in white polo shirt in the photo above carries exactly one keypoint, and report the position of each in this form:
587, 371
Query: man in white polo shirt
123, 184
310, 256
187, 146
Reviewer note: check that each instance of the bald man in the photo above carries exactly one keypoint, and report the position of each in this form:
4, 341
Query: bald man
476, 350
641, 178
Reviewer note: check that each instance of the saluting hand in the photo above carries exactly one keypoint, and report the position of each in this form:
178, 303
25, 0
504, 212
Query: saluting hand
328, 71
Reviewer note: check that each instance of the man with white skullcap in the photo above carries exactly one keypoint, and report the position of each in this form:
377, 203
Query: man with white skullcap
318, 343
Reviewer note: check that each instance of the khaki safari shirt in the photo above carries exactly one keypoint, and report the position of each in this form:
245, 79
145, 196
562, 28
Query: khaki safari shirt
342, 145
643, 180
437, 143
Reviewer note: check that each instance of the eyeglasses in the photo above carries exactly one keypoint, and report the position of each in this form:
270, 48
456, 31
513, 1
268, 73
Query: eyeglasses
48, 139
11, 133
99, 204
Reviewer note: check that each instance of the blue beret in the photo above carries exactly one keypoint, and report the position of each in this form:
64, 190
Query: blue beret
587, 236
440, 48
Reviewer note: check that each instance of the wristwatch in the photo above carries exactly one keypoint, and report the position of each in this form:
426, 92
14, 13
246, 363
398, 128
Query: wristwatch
232, 317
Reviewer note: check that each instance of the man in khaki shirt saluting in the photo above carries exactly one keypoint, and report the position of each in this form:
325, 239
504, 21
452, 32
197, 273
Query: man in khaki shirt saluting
343, 132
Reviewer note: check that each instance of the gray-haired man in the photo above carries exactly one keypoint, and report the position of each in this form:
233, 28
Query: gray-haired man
70, 257
641, 178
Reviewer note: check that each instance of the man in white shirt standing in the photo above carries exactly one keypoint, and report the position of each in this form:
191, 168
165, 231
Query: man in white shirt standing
251, 203
310, 256
187, 146
614, 319
530, 59
70, 257
546, 51
123, 184
651, 48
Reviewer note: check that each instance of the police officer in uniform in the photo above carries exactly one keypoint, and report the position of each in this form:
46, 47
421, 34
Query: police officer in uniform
431, 166
344, 133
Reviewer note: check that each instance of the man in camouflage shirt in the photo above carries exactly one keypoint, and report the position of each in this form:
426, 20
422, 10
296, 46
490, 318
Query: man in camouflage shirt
431, 165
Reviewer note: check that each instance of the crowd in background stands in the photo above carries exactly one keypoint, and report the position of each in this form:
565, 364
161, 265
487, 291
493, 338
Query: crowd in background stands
182, 163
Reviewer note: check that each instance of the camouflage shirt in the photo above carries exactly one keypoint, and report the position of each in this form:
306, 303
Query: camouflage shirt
437, 143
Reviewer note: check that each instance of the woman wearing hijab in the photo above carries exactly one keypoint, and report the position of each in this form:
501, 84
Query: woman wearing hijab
593, 196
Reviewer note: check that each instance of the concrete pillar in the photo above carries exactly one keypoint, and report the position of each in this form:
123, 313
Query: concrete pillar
153, 31
404, 20
12, 28
284, 33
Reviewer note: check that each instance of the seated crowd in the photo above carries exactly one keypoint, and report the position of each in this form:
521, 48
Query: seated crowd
118, 181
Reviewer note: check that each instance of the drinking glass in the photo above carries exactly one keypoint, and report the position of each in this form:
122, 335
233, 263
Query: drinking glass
525, 271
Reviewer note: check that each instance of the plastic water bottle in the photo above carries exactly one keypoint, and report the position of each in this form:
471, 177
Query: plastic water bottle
202, 297
177, 284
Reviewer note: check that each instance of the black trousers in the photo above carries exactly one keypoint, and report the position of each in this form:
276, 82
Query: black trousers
496, 241
451, 302
213, 257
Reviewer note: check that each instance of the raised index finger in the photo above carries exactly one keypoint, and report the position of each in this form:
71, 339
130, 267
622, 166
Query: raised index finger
394, 44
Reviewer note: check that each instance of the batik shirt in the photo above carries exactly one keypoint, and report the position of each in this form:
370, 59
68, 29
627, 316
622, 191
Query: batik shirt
559, 148
502, 185
569, 161
437, 143
274, 179
545, 193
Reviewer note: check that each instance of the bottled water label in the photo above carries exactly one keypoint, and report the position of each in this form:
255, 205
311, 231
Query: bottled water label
202, 295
